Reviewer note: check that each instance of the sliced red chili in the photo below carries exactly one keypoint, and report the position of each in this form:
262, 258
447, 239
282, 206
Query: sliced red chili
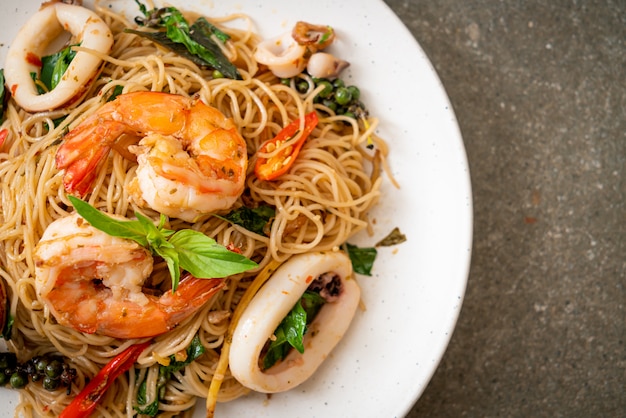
279, 163
3, 135
86, 401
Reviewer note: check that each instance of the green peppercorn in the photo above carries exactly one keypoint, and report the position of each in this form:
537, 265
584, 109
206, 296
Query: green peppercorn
330, 104
338, 83
50, 383
302, 86
217, 74
40, 364
327, 90
18, 380
285, 81
54, 369
7, 360
355, 92
343, 96
3, 379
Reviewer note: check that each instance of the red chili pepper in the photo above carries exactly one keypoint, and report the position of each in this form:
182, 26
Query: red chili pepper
86, 401
3, 135
278, 164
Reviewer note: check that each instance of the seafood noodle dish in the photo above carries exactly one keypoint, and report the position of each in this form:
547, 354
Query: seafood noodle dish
178, 197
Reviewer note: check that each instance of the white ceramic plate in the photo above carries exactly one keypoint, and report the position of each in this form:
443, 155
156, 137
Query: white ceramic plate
414, 296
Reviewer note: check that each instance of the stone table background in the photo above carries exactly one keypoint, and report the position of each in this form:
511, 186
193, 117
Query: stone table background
539, 90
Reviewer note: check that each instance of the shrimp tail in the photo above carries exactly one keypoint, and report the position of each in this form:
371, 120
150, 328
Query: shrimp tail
190, 295
83, 152
129, 320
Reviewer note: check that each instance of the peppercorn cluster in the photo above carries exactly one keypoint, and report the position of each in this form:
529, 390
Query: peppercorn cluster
342, 99
51, 370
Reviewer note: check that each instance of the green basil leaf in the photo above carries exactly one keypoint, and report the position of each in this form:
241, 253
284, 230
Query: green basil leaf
201, 256
57, 121
133, 230
117, 90
277, 350
142, 8
41, 88
154, 235
290, 332
150, 410
8, 327
190, 250
326, 35
170, 255
54, 66
312, 302
255, 219
142, 397
195, 350
362, 258
295, 327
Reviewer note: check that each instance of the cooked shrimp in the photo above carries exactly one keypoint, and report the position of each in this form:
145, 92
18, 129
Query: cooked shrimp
274, 301
92, 282
192, 160
26, 51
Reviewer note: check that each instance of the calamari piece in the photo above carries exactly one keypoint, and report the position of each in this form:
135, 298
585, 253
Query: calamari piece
273, 302
24, 55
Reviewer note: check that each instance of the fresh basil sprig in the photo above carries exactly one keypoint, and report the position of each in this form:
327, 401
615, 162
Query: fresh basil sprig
185, 249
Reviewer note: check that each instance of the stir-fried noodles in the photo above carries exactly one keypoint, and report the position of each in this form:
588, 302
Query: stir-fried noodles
317, 206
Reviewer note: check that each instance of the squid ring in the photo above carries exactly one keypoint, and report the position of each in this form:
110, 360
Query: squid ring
273, 302
24, 55
282, 55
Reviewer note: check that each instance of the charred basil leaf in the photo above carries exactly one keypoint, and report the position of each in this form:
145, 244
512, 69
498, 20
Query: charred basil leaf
393, 238
253, 219
207, 29
202, 32
194, 42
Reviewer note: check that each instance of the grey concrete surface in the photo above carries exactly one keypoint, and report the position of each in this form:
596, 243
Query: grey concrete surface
538, 88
